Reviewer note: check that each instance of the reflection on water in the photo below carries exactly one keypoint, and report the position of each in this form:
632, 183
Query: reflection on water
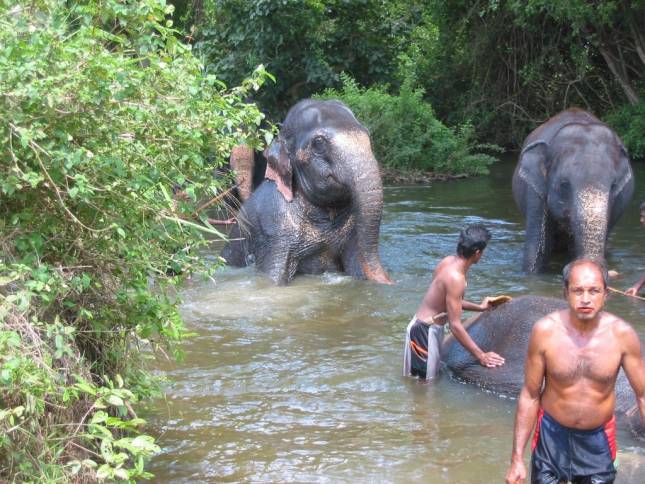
302, 383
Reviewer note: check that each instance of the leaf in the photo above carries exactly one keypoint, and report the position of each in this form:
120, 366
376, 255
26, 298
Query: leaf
87, 388
4, 280
104, 472
145, 443
114, 400
75, 466
100, 431
210, 230
106, 451
99, 417
121, 473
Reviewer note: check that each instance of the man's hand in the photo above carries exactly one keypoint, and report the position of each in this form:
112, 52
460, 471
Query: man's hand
632, 291
516, 473
485, 304
491, 360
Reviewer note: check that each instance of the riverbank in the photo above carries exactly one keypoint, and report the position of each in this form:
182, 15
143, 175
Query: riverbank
417, 177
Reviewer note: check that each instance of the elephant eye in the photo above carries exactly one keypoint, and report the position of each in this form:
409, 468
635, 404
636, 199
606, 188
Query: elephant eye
565, 186
318, 144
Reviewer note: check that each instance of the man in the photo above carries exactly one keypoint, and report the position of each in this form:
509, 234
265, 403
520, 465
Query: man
633, 291
444, 301
573, 360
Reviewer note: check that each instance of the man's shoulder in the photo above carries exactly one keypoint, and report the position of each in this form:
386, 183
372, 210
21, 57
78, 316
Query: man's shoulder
446, 270
550, 322
617, 325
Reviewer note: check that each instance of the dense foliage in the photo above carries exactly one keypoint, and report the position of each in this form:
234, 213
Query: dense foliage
511, 65
306, 43
104, 110
506, 66
406, 135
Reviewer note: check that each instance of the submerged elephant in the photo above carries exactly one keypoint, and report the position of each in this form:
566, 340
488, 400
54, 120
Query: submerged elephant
506, 330
572, 183
321, 205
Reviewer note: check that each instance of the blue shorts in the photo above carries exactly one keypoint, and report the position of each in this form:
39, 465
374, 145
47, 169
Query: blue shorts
579, 456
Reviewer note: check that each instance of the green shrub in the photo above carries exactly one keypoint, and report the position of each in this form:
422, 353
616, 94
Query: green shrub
406, 135
103, 111
629, 123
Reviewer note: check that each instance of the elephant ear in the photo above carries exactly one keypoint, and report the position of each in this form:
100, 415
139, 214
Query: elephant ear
627, 176
279, 168
533, 167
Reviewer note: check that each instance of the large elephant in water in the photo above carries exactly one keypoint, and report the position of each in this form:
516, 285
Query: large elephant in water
506, 330
321, 205
572, 183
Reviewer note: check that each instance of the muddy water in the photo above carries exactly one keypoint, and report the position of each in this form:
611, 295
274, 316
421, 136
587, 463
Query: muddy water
303, 383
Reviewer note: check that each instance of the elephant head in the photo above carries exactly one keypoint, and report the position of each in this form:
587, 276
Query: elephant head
572, 183
325, 154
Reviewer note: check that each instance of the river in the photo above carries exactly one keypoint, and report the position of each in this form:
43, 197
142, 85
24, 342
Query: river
303, 383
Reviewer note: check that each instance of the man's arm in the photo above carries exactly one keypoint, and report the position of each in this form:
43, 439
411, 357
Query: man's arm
454, 293
633, 291
634, 366
527, 405
469, 306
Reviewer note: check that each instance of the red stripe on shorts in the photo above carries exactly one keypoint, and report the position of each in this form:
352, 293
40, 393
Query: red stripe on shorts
610, 432
536, 435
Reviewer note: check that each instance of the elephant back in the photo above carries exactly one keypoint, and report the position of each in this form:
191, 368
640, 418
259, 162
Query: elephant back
506, 331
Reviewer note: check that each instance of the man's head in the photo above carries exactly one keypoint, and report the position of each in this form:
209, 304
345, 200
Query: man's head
585, 287
642, 213
472, 242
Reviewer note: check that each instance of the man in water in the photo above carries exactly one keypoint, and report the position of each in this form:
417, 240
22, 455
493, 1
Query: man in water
633, 291
573, 360
444, 302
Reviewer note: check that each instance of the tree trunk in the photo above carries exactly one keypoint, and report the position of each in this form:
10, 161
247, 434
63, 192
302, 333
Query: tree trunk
620, 75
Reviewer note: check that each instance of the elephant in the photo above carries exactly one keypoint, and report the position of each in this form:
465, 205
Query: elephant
572, 183
320, 207
506, 330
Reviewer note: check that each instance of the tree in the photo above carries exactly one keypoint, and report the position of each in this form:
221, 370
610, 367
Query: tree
104, 110
305, 44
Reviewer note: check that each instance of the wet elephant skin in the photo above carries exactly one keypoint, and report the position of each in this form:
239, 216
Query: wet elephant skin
572, 183
320, 207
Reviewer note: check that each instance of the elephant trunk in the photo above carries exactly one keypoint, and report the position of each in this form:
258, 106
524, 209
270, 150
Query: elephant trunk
368, 207
590, 223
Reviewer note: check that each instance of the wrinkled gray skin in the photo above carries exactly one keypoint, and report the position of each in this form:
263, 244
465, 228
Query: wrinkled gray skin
572, 183
320, 208
506, 331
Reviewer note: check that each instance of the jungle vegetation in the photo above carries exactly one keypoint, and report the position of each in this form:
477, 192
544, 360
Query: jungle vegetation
503, 65
108, 105
104, 110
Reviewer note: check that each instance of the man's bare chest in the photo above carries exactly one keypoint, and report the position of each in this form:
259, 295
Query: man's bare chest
596, 362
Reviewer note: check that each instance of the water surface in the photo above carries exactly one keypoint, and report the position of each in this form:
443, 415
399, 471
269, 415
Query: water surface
303, 383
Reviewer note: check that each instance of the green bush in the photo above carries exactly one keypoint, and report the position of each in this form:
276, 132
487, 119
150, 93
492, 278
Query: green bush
629, 123
406, 135
103, 111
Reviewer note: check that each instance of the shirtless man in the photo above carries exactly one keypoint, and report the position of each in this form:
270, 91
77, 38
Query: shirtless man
444, 302
633, 291
576, 354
